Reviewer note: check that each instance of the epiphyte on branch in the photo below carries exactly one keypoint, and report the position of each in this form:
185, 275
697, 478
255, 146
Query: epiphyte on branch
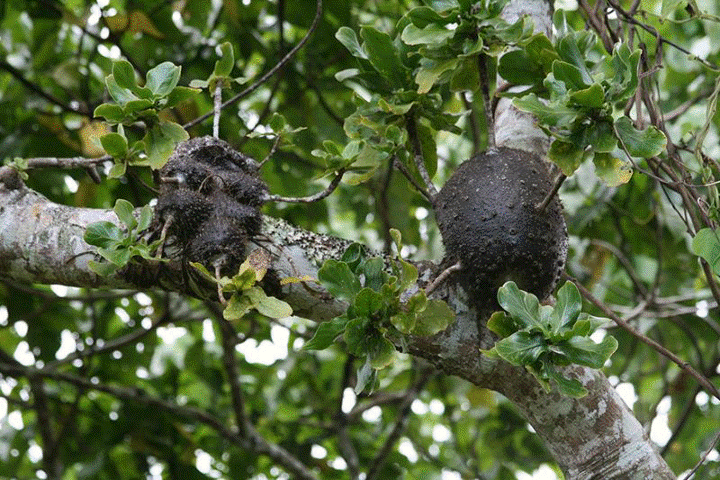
490, 222
209, 202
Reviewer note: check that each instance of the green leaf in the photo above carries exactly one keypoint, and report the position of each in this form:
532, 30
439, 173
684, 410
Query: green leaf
546, 114
353, 255
136, 107
365, 376
269, 306
591, 97
522, 306
179, 95
570, 75
374, 270
380, 352
339, 280
110, 112
433, 319
118, 169
104, 269
114, 145
119, 94
640, 143
566, 386
367, 303
569, 50
146, 216
566, 155
356, 335
326, 334
161, 79
429, 74
432, 34
224, 66
567, 307
384, 56
521, 348
102, 234
237, 307
612, 170
518, 68
124, 211
501, 324
584, 351
347, 37
119, 257
404, 322
124, 74
706, 244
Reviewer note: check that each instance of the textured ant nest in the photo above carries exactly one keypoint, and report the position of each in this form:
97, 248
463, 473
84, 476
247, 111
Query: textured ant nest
209, 202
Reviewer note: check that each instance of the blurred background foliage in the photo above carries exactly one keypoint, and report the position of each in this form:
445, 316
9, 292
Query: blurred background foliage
629, 244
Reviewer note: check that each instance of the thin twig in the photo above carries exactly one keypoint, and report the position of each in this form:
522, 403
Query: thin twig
711, 448
398, 164
272, 151
312, 198
382, 455
217, 110
442, 277
685, 366
411, 126
229, 340
540, 207
270, 73
487, 104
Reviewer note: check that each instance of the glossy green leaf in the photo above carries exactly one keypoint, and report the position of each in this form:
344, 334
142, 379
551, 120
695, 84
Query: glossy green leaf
523, 306
612, 170
114, 145
347, 37
266, 305
237, 307
568, 305
591, 97
110, 112
383, 55
434, 318
584, 351
225, 65
521, 348
502, 324
518, 68
645, 143
119, 94
161, 79
432, 34
102, 234
326, 333
566, 155
380, 352
124, 74
568, 387
124, 211
706, 244
339, 280
117, 256
367, 303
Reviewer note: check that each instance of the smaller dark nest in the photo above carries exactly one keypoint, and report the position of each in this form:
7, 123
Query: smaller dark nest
209, 202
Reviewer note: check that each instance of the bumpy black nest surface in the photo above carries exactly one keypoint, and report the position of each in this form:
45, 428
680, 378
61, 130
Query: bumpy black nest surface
209, 200
488, 218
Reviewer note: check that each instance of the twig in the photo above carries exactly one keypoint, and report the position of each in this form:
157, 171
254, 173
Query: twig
540, 207
312, 198
269, 73
229, 340
442, 277
418, 155
253, 441
69, 162
272, 151
487, 105
411, 394
685, 366
217, 108
398, 164
704, 457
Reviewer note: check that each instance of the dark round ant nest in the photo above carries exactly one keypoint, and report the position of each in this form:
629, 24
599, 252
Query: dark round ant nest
489, 217
209, 202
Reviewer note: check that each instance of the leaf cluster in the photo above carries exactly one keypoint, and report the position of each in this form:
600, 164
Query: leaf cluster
245, 294
543, 337
577, 93
134, 103
119, 246
381, 308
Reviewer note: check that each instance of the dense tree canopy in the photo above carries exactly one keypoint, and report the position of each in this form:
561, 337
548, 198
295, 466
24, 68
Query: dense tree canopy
115, 363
